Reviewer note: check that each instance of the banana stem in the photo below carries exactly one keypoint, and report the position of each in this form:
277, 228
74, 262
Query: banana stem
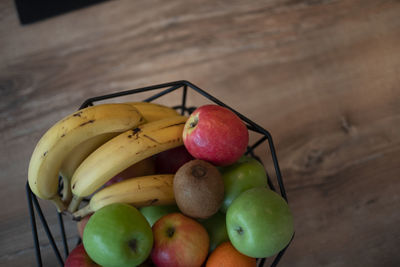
61, 207
83, 212
74, 204
66, 191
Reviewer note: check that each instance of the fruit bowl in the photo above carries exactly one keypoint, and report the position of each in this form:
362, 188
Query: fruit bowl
262, 139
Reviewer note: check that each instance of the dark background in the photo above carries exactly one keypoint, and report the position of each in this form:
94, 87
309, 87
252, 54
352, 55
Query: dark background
31, 11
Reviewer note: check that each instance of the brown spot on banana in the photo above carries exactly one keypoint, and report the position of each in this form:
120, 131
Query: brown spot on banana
172, 125
151, 139
86, 122
136, 130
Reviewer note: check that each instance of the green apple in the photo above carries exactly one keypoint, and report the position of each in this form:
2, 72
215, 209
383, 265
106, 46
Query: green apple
246, 173
259, 223
153, 213
216, 228
118, 235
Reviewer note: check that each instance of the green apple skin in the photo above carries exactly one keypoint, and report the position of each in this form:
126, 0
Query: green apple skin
153, 213
118, 235
216, 228
259, 223
244, 174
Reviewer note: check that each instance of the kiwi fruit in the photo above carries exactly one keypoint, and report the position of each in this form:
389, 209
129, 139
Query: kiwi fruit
198, 189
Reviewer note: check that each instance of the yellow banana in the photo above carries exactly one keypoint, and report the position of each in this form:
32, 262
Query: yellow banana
123, 151
75, 157
56, 144
139, 192
149, 111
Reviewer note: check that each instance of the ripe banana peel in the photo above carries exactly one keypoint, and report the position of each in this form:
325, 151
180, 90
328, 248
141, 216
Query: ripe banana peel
75, 158
123, 151
153, 111
139, 192
56, 144
149, 111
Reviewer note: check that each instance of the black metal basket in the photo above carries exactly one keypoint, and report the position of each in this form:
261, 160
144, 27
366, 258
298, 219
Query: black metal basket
264, 135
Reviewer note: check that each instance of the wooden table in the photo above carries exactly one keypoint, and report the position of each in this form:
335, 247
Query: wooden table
323, 76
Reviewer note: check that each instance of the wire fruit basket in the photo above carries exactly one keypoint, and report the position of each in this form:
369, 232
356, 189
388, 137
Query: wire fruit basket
263, 136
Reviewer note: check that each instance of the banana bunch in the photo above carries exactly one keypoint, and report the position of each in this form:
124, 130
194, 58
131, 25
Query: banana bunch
149, 111
90, 146
123, 151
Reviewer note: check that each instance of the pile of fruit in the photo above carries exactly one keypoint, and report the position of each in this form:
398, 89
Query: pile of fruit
162, 189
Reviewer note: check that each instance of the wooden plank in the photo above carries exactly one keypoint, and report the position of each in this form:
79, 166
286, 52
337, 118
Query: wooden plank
321, 76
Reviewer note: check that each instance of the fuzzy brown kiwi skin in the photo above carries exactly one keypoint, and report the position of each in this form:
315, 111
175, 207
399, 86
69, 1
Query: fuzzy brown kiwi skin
199, 189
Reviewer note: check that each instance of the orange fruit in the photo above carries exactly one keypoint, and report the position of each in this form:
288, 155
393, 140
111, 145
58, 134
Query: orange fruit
226, 255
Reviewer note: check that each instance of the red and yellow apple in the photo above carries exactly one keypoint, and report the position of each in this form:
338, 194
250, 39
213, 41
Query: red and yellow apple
82, 224
179, 241
79, 258
215, 134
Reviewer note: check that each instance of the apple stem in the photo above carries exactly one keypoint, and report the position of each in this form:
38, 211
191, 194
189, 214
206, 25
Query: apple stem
170, 231
239, 230
193, 123
133, 244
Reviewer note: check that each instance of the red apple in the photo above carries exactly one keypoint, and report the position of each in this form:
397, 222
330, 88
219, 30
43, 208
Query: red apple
179, 241
79, 258
215, 134
169, 161
142, 168
81, 224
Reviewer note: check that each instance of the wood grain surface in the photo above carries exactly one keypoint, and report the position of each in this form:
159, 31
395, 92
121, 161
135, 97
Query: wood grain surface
323, 76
